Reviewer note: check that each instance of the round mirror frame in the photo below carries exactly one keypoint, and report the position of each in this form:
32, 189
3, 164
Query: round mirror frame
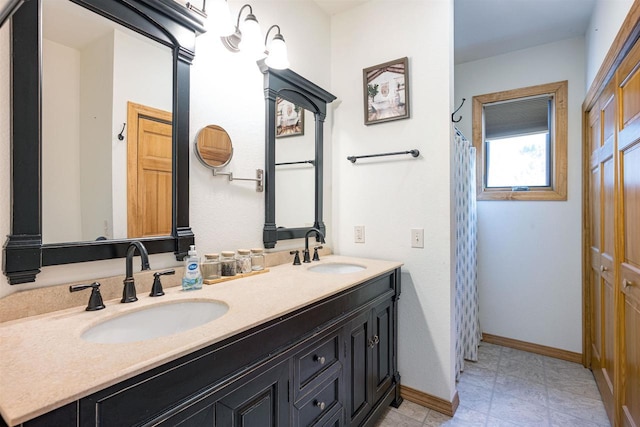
207, 152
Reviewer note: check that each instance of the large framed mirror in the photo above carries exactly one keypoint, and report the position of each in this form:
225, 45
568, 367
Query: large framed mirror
100, 131
293, 156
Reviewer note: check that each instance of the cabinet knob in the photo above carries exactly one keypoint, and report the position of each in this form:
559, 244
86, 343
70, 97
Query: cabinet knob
626, 283
603, 268
320, 405
319, 359
373, 341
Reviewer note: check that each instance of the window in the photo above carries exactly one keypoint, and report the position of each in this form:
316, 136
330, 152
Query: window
521, 143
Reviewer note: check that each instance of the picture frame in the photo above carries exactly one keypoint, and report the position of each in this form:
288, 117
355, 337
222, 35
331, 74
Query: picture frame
289, 118
386, 91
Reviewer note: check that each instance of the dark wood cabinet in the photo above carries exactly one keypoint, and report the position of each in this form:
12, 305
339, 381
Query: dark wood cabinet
332, 363
263, 401
359, 401
382, 352
370, 359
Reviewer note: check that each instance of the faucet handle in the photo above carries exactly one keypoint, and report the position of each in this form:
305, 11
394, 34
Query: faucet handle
316, 257
95, 299
156, 288
296, 259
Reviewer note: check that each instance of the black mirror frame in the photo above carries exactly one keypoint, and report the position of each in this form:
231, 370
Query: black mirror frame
164, 21
295, 88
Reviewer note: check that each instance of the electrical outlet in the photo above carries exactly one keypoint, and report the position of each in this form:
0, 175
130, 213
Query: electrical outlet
417, 237
358, 232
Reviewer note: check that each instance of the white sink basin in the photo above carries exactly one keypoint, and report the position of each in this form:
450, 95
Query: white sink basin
336, 268
155, 321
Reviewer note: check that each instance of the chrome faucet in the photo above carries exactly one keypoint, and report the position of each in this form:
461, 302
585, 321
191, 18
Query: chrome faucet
305, 253
129, 291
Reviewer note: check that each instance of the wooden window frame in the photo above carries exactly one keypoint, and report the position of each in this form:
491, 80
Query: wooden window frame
558, 188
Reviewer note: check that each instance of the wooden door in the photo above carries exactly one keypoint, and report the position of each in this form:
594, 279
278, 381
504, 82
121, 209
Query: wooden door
149, 171
628, 233
602, 249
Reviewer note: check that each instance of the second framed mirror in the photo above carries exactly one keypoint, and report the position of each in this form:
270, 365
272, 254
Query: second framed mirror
294, 155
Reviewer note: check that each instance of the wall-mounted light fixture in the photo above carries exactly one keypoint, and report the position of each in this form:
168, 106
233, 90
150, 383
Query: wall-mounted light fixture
220, 18
277, 50
249, 39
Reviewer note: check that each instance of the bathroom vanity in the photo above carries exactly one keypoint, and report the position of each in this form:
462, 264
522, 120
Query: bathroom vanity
296, 347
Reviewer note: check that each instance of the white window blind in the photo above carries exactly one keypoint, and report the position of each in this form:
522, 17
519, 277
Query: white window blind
519, 117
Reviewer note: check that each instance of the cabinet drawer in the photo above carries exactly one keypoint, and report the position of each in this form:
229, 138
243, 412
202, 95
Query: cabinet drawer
315, 408
316, 359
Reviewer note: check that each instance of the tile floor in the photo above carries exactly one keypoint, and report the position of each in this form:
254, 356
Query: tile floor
508, 387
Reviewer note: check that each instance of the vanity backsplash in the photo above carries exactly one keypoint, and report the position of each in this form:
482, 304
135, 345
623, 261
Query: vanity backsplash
38, 301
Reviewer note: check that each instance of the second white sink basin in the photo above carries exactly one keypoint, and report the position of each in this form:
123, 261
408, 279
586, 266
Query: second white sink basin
155, 321
336, 268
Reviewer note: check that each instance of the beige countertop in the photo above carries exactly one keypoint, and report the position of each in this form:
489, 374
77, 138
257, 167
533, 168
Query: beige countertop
44, 364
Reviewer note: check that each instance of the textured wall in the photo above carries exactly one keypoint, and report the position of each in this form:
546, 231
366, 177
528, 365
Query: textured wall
390, 196
605, 23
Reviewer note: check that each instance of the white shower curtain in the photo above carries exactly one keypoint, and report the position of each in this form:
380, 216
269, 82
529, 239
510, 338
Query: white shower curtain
468, 333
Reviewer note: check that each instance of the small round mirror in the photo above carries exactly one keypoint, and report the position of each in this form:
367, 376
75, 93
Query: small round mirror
213, 146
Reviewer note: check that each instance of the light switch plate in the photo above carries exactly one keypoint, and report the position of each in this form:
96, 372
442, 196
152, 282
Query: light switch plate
417, 237
358, 234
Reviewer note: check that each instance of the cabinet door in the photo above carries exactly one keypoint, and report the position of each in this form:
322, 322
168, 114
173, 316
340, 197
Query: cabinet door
358, 368
381, 346
261, 402
628, 233
602, 272
370, 359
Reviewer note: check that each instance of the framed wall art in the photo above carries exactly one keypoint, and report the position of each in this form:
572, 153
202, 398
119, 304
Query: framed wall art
386, 91
289, 118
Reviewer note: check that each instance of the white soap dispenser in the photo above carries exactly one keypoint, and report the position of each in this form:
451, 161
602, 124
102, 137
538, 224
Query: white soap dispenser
192, 275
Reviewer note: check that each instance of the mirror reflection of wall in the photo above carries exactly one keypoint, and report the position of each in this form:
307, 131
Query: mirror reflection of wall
295, 183
91, 69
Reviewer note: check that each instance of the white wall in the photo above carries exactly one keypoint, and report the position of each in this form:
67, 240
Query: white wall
227, 90
61, 213
529, 257
96, 118
393, 195
604, 25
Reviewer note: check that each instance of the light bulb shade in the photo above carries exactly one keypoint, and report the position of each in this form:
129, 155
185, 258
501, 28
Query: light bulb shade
220, 19
251, 42
278, 57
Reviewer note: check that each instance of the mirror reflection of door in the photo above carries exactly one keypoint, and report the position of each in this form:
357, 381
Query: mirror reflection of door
149, 166
91, 67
